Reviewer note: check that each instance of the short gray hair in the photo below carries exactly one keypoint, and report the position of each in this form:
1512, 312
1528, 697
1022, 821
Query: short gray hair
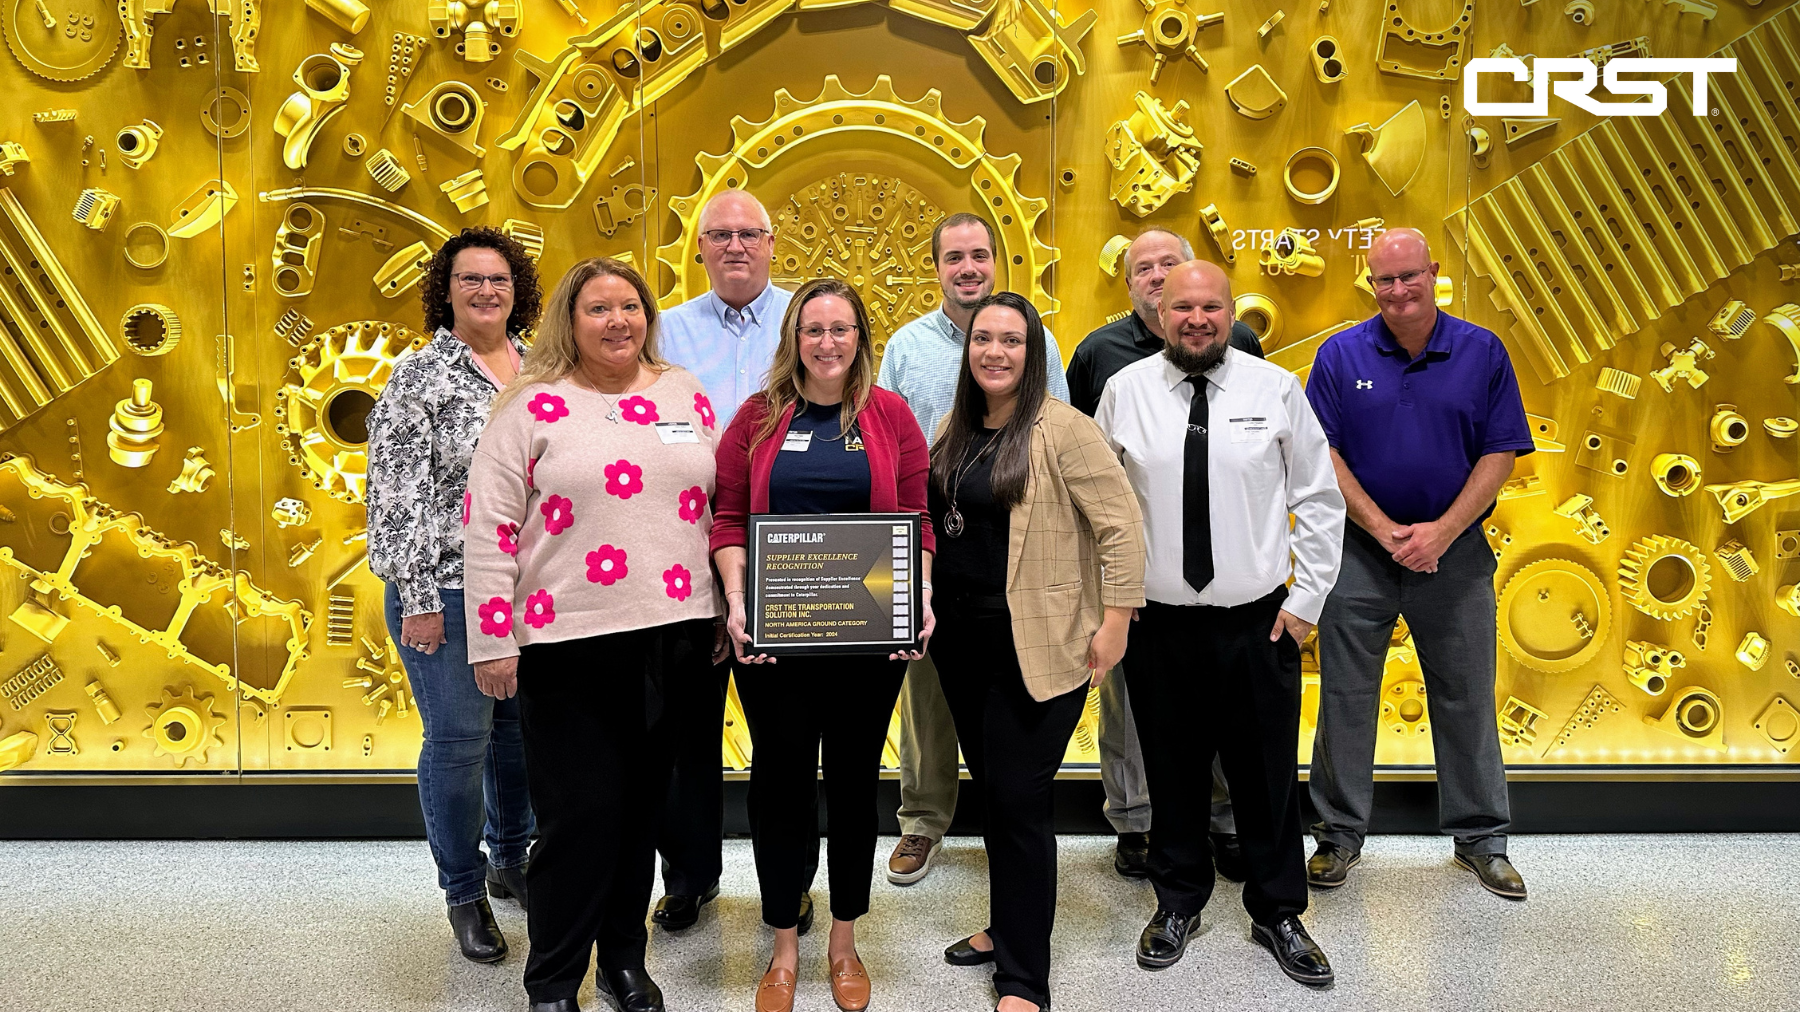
761, 211
1187, 248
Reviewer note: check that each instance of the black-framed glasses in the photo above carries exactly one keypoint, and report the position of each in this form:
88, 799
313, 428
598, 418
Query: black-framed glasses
1386, 281
841, 332
748, 236
472, 282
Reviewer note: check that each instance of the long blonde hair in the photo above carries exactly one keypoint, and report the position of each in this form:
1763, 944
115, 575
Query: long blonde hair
554, 354
787, 374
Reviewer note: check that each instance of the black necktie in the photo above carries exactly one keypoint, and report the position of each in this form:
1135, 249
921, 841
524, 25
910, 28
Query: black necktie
1196, 517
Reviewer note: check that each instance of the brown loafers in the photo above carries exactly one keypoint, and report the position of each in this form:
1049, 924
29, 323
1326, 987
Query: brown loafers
850, 984
776, 992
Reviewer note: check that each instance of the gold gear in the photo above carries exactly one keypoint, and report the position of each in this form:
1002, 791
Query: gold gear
836, 111
183, 726
1665, 578
58, 57
1554, 615
322, 410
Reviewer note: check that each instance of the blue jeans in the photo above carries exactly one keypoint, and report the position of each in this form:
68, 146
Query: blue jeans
472, 765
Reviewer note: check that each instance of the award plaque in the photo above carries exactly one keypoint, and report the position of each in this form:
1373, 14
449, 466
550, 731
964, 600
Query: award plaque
833, 583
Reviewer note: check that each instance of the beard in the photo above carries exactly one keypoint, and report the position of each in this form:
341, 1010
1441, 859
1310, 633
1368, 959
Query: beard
1195, 363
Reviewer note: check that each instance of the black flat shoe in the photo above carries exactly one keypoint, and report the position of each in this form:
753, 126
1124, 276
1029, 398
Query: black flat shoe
1330, 865
507, 884
806, 914
565, 1005
1228, 857
629, 990
476, 933
1496, 873
964, 953
1297, 954
675, 913
1131, 858
1165, 939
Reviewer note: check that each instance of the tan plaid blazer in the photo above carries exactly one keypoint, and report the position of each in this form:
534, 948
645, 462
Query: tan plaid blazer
1077, 546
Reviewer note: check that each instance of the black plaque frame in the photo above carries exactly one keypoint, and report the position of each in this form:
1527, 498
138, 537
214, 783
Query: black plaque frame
910, 555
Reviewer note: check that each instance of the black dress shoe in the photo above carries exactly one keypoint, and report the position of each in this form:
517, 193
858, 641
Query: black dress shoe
964, 953
1496, 873
1228, 857
507, 884
1299, 956
565, 1005
677, 912
629, 990
806, 913
476, 933
1164, 939
1131, 858
1330, 865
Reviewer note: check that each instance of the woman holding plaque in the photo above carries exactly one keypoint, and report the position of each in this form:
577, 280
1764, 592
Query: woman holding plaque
587, 564
820, 438
1040, 564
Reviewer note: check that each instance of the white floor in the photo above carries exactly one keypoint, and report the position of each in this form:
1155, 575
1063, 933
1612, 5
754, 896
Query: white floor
1615, 924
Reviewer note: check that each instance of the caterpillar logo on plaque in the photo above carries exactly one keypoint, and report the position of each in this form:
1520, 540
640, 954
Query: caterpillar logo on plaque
1576, 92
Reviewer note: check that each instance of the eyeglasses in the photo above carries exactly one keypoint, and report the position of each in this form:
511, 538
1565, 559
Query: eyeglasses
721, 237
837, 333
472, 282
1386, 281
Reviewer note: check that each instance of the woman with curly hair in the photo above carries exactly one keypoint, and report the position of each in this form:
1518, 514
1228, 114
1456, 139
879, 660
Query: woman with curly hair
480, 295
591, 597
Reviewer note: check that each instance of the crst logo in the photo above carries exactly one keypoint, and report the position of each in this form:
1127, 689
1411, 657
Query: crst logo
1576, 92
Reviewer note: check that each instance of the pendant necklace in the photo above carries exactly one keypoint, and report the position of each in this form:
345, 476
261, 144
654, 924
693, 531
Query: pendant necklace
612, 413
953, 518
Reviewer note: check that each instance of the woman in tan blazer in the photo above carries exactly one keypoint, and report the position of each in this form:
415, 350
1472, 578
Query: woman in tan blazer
1040, 561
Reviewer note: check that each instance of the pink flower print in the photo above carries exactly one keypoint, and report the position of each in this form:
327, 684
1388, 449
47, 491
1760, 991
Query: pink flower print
531, 473
641, 410
467, 499
624, 479
496, 617
693, 503
547, 407
540, 609
559, 514
703, 408
678, 583
606, 565
509, 534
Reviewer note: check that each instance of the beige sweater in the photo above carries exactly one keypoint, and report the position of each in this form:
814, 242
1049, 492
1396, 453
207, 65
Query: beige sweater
576, 525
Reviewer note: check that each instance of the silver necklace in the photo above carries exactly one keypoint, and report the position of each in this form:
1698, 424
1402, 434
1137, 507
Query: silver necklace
612, 413
953, 518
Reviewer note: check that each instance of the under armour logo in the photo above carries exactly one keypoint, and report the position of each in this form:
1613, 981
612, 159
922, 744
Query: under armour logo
1365, 384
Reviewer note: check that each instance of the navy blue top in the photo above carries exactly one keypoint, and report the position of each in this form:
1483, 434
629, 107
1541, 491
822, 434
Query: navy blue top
830, 476
1411, 429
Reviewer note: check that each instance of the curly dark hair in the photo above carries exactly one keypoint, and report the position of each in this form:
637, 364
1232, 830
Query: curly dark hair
528, 294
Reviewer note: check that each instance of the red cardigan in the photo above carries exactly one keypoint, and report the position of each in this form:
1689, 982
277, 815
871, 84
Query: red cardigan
899, 463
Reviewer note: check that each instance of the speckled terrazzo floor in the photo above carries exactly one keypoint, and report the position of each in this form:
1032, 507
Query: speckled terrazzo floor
1635, 924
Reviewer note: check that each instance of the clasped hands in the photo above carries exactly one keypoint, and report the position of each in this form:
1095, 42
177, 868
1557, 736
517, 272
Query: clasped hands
1415, 546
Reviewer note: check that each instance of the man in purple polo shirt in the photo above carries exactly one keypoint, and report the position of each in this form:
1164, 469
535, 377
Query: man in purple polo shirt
1424, 419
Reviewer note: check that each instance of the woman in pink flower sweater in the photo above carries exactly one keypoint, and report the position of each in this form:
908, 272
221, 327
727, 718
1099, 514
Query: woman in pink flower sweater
586, 562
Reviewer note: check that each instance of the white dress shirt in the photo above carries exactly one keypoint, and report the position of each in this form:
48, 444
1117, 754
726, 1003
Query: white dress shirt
1266, 457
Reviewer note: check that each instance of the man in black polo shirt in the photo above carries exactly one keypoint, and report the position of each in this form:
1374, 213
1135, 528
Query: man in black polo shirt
1148, 259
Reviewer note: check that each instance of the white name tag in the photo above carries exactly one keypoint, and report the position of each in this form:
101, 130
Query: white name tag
677, 432
1250, 430
798, 441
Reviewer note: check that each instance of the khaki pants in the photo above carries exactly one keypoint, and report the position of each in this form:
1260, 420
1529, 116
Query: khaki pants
929, 765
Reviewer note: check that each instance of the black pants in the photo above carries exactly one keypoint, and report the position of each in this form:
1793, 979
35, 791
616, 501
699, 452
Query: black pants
693, 826
1203, 681
806, 713
597, 724
1014, 745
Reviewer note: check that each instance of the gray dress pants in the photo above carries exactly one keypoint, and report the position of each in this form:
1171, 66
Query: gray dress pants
1122, 767
1451, 615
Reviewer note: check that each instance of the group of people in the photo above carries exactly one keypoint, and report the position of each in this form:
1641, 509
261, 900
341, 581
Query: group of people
562, 532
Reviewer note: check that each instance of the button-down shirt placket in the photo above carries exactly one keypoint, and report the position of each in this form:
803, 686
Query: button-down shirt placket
729, 350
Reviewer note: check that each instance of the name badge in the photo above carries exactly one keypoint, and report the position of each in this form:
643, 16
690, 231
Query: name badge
1250, 430
797, 441
677, 432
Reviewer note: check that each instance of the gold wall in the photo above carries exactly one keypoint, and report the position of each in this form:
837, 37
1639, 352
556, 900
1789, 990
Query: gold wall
220, 215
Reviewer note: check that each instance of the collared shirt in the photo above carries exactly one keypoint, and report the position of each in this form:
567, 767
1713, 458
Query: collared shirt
422, 432
1266, 457
1117, 345
728, 350
1412, 429
924, 359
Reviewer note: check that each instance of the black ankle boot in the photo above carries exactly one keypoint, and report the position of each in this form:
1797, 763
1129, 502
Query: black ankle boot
507, 884
476, 933
630, 990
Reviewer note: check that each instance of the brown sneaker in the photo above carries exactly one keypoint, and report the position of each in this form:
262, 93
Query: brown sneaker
911, 859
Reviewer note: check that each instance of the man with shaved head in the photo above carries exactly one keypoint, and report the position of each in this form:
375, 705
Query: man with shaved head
1424, 418
1148, 260
1221, 448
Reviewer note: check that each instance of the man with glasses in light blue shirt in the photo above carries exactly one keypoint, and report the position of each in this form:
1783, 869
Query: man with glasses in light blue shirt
922, 362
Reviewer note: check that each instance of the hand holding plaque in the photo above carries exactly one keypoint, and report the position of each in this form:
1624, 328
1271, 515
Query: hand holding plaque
833, 584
